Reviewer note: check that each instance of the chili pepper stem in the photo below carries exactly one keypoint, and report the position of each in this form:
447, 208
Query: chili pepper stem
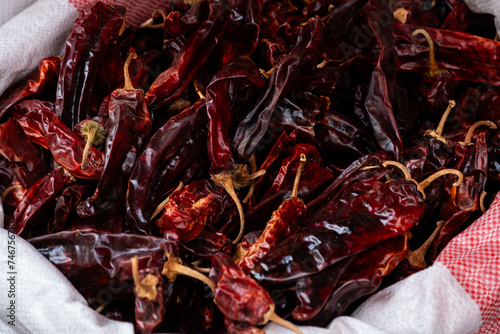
94, 134
470, 132
422, 185
417, 257
149, 22
438, 133
253, 166
433, 67
174, 267
295, 189
147, 286
128, 83
7, 191
481, 202
277, 319
399, 165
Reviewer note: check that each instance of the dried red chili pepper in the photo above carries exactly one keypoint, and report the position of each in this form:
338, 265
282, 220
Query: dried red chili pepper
86, 46
208, 243
175, 25
283, 222
237, 296
43, 127
170, 84
41, 196
39, 85
16, 147
169, 151
129, 126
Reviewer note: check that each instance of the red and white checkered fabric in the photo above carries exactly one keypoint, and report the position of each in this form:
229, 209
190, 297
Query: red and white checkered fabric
473, 257
137, 10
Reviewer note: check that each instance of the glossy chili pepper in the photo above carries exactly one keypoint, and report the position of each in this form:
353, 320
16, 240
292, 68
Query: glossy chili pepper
362, 277
40, 197
188, 209
175, 25
208, 243
39, 85
220, 96
43, 127
16, 147
129, 127
170, 84
169, 151
339, 232
253, 127
66, 205
94, 260
86, 46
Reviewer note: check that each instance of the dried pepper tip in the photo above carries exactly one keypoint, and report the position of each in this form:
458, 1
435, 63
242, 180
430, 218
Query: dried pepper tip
417, 257
481, 202
253, 166
126, 74
145, 288
174, 267
198, 87
162, 205
236, 179
438, 133
433, 68
302, 163
149, 23
422, 185
7, 191
470, 132
401, 15
94, 134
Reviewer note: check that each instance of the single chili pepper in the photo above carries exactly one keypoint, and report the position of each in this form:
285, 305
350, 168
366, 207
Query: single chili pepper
170, 84
253, 127
283, 222
43, 127
237, 296
458, 19
438, 85
87, 44
362, 277
338, 231
94, 260
39, 85
16, 147
169, 151
40, 197
149, 299
129, 127
187, 210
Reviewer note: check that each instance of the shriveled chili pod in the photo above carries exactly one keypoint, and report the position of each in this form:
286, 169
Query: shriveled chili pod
16, 147
41, 85
67, 203
170, 84
43, 127
86, 45
172, 149
37, 199
283, 222
129, 126
238, 296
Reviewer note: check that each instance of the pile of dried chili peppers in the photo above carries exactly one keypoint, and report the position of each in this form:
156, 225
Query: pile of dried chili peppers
234, 162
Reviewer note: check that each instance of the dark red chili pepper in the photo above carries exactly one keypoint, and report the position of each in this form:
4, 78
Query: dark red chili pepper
66, 205
17, 148
40, 197
170, 84
253, 127
169, 151
129, 126
43, 127
86, 46
176, 26
208, 243
39, 85
362, 277
187, 210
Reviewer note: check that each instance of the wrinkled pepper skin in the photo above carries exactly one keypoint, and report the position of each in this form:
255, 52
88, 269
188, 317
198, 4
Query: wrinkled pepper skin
86, 46
388, 210
169, 151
